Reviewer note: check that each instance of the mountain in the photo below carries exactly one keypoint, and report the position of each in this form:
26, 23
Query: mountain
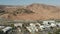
44, 12
31, 12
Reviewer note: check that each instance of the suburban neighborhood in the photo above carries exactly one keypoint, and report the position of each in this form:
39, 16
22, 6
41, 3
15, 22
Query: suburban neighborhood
43, 27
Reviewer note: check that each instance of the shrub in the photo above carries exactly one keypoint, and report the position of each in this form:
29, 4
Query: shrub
57, 31
22, 10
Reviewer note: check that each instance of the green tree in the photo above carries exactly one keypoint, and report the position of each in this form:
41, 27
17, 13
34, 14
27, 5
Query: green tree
57, 32
49, 33
12, 25
1, 32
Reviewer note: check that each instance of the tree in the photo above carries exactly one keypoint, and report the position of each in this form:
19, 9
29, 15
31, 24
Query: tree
22, 10
57, 32
12, 25
1, 32
49, 33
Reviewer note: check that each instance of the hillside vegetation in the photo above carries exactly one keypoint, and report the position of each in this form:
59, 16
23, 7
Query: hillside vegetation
30, 12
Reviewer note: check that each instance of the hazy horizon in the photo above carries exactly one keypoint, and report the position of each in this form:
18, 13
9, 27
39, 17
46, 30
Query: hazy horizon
27, 2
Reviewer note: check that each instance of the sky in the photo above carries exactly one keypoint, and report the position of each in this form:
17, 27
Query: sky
27, 2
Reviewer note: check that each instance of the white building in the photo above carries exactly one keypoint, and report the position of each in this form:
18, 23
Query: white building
18, 24
6, 29
37, 24
32, 28
42, 27
48, 22
58, 24
53, 25
2, 27
19, 29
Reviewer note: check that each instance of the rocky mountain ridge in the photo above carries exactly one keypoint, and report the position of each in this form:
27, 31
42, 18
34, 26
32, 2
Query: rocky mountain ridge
30, 12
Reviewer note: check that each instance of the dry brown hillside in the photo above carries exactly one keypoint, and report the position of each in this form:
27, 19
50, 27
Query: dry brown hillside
32, 12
